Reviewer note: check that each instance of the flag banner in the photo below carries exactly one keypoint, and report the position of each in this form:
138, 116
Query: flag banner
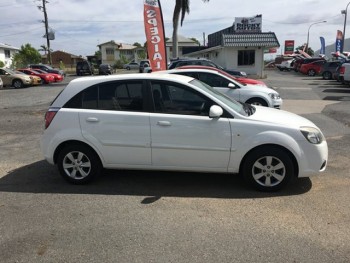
289, 47
155, 36
323, 46
338, 41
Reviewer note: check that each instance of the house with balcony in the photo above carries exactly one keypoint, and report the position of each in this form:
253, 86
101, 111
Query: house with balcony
6, 54
112, 51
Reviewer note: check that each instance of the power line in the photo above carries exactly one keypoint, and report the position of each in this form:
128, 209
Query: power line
19, 33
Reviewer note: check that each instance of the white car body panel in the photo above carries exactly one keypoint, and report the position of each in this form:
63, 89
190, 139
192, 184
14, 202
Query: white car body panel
159, 141
190, 142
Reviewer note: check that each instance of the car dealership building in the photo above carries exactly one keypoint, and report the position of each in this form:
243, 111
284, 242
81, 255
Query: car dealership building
240, 46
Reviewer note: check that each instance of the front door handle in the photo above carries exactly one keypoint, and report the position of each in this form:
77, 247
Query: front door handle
92, 119
164, 123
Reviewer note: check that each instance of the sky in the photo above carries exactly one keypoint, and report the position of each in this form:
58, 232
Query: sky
80, 25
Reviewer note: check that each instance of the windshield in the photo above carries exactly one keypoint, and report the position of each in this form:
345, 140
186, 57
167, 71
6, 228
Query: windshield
235, 105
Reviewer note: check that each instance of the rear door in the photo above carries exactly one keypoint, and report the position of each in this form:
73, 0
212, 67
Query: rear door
115, 120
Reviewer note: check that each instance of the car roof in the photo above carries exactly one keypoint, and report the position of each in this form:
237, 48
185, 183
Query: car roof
79, 84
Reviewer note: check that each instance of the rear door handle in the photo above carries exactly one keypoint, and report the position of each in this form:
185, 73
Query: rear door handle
92, 119
164, 123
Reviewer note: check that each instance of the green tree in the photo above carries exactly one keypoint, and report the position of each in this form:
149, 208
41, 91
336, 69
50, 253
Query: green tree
196, 40
26, 55
137, 44
181, 8
2, 64
44, 48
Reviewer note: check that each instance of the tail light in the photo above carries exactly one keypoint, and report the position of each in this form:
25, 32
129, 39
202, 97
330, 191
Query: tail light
50, 114
342, 70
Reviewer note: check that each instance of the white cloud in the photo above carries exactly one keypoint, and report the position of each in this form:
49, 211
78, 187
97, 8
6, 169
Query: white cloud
81, 24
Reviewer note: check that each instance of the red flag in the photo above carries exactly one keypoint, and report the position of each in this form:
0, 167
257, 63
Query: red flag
154, 29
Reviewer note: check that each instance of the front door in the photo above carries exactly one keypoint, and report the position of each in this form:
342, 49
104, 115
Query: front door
183, 137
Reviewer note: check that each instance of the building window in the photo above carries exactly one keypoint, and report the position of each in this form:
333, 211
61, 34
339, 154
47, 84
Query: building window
246, 57
7, 53
110, 51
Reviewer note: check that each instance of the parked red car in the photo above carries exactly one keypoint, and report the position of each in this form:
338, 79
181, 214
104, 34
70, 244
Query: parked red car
45, 77
313, 68
239, 79
57, 77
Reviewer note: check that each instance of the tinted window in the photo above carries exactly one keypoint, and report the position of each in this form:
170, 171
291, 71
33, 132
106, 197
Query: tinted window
213, 80
246, 57
172, 98
122, 96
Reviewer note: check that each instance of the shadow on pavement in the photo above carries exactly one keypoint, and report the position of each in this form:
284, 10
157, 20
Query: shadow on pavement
41, 177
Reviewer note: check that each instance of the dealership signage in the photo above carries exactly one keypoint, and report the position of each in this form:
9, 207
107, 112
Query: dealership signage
289, 47
155, 36
248, 24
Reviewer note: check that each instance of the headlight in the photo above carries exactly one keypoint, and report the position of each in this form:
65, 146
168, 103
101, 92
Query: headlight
274, 96
311, 134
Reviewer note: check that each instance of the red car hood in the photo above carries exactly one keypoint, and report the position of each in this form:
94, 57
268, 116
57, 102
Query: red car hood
250, 81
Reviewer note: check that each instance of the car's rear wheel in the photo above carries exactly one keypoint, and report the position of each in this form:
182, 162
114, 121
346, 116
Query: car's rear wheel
78, 164
127, 68
268, 168
311, 72
17, 84
257, 102
327, 75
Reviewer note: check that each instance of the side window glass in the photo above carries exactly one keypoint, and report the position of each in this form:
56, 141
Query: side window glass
172, 98
118, 96
122, 96
89, 98
213, 80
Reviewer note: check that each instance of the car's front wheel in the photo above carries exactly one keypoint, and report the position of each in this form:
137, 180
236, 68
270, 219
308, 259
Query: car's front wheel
311, 72
17, 84
268, 168
257, 102
78, 164
327, 75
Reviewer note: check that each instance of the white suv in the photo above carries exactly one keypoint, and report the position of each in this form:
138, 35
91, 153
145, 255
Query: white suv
173, 122
246, 93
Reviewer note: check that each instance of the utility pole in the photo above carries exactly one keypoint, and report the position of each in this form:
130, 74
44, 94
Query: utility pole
46, 22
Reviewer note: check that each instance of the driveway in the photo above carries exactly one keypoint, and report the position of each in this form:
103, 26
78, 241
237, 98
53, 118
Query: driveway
138, 216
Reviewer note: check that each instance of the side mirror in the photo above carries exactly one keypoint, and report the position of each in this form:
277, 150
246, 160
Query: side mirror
215, 111
232, 86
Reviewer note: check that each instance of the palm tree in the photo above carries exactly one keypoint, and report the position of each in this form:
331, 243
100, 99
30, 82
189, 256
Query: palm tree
181, 7
43, 48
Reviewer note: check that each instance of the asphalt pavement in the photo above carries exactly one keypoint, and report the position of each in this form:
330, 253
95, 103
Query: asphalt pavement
138, 216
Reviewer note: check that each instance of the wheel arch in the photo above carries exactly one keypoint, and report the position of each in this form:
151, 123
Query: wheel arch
290, 154
76, 142
258, 97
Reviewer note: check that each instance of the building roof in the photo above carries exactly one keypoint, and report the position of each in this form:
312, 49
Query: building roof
6, 46
119, 46
250, 40
182, 39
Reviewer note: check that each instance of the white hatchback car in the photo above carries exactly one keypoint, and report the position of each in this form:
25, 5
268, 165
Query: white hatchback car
174, 122
246, 93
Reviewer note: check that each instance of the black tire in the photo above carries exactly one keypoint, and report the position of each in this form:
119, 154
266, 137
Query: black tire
78, 164
257, 102
127, 68
17, 84
327, 75
311, 72
268, 168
